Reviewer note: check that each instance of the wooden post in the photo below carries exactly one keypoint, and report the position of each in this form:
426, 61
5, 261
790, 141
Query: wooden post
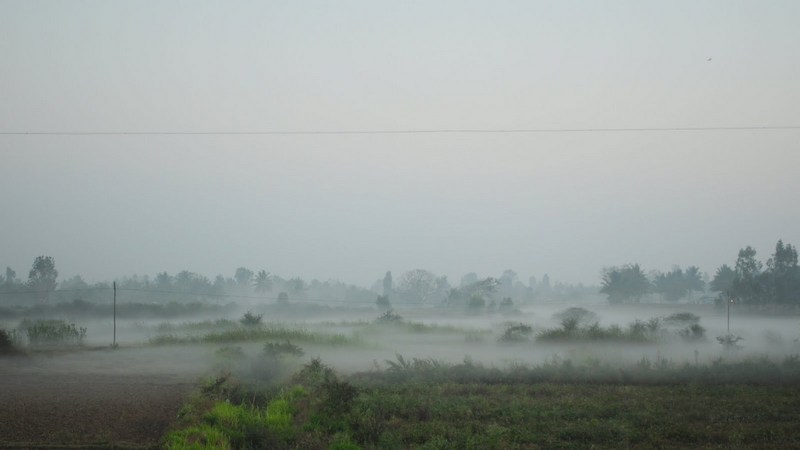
114, 344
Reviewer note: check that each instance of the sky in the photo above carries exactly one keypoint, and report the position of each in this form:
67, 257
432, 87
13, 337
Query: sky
352, 206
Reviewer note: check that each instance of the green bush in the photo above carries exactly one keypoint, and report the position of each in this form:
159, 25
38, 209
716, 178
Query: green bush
200, 437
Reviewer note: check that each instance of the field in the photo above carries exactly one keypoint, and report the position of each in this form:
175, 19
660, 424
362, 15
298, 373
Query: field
604, 378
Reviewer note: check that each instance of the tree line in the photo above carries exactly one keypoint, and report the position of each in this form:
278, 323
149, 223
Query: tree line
749, 282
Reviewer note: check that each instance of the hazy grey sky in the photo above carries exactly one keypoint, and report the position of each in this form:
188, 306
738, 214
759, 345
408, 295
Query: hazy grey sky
353, 206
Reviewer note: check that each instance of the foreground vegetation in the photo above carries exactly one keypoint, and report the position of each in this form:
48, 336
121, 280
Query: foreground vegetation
422, 403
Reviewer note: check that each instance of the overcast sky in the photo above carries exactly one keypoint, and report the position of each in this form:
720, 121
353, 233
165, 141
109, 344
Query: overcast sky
351, 207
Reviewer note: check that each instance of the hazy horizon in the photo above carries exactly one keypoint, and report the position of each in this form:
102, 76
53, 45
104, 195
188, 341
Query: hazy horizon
351, 207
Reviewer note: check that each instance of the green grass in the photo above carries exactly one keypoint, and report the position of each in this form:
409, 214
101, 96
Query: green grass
548, 415
254, 334
427, 404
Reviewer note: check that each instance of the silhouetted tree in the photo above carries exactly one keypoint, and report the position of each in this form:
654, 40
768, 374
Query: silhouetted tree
42, 277
387, 284
243, 276
163, 281
723, 279
626, 283
670, 285
419, 285
283, 299
747, 286
783, 275
263, 282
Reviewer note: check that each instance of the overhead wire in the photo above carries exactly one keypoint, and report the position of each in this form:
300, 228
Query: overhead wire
402, 131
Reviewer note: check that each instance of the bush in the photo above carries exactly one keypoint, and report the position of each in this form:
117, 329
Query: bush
518, 332
389, 317
575, 316
251, 320
279, 349
8, 342
53, 332
693, 332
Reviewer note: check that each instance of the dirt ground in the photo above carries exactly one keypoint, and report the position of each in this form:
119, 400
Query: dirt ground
94, 399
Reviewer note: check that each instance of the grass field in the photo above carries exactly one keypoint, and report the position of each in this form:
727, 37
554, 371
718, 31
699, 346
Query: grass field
405, 407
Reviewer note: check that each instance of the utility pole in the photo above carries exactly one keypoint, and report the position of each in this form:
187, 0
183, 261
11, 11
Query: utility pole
114, 344
730, 300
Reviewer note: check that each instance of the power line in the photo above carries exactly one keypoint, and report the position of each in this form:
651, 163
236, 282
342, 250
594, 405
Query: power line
406, 131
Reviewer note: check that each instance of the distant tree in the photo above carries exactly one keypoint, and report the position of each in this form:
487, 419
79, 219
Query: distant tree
297, 285
163, 281
507, 280
263, 282
42, 277
383, 302
485, 287
186, 281
670, 285
476, 303
694, 280
468, 278
243, 276
723, 279
419, 285
747, 286
623, 284
283, 299
74, 283
10, 282
783, 275
387, 284
544, 286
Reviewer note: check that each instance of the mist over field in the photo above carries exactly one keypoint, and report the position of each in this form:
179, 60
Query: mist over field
364, 225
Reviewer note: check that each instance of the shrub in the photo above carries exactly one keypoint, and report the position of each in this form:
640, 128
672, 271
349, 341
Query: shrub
518, 332
201, 437
693, 332
279, 349
251, 320
389, 317
8, 342
383, 302
682, 319
730, 341
53, 332
575, 316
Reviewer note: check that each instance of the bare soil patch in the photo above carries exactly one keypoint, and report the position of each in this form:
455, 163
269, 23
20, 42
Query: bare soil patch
91, 399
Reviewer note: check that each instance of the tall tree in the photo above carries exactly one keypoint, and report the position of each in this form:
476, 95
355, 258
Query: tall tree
419, 285
723, 279
263, 281
783, 274
387, 283
693, 280
747, 286
243, 276
42, 277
